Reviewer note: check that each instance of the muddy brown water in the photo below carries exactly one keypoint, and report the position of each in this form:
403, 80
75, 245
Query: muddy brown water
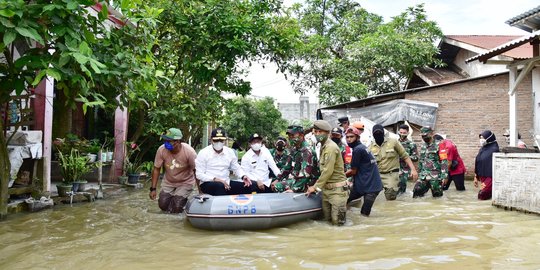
128, 231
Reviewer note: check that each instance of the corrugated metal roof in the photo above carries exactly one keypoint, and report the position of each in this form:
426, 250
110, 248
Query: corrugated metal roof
488, 42
506, 47
532, 20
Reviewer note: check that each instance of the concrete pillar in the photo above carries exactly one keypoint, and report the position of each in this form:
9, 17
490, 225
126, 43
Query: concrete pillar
536, 98
120, 137
43, 115
513, 106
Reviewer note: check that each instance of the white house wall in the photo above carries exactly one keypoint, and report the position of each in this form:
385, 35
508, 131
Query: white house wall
476, 68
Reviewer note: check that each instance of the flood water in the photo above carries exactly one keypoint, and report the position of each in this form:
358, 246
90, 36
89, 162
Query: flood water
129, 232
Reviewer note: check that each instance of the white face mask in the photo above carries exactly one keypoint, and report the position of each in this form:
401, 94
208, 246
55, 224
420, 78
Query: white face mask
482, 142
256, 146
217, 145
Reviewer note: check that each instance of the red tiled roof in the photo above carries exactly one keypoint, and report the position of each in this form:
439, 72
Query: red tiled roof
489, 42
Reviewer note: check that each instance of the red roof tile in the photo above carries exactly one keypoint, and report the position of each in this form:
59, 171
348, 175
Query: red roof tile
489, 42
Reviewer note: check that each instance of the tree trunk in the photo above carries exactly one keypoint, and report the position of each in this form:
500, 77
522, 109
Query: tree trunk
5, 168
141, 113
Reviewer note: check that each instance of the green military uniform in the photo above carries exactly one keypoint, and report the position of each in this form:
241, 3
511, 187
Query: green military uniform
433, 168
404, 170
388, 155
332, 180
280, 159
300, 169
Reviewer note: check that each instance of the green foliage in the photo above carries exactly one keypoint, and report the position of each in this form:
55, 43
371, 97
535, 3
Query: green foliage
73, 166
349, 52
243, 117
198, 54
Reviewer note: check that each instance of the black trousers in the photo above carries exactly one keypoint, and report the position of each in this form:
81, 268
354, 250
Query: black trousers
217, 188
459, 181
369, 200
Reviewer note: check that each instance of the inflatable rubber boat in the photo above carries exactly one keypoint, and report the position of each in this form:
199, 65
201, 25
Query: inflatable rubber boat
252, 211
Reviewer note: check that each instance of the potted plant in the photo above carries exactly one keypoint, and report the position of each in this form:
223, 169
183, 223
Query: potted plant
73, 166
132, 163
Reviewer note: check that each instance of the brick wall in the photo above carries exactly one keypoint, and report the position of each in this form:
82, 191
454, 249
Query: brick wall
467, 108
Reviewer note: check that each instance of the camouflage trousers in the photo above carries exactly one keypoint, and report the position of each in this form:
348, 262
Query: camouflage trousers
334, 204
422, 186
403, 178
296, 185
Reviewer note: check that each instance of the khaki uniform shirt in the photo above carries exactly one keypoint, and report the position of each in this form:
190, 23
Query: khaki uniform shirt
388, 154
330, 164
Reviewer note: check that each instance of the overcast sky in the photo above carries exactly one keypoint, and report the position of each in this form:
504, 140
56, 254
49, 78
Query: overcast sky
465, 17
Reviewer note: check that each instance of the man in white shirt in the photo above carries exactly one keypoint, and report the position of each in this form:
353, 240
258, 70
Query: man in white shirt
213, 165
256, 163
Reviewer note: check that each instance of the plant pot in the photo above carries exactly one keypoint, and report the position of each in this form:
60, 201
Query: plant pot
103, 157
63, 189
133, 178
122, 180
92, 158
79, 186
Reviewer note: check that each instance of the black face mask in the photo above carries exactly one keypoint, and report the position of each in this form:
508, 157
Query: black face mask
336, 140
353, 144
378, 134
426, 139
280, 147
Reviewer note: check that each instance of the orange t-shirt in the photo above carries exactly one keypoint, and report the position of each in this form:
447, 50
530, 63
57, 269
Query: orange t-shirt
179, 167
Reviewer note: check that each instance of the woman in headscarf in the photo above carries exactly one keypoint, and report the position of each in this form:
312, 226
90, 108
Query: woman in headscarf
483, 164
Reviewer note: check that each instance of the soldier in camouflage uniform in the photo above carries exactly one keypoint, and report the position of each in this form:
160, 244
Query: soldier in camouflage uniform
301, 168
433, 166
280, 154
410, 148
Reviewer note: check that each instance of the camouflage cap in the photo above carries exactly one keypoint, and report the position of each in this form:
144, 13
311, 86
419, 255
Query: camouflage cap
295, 129
426, 130
172, 134
322, 125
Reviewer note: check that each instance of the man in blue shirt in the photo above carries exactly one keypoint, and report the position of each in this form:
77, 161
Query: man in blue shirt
367, 180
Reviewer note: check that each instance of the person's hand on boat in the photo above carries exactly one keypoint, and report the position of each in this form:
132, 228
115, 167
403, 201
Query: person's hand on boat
247, 181
310, 190
260, 185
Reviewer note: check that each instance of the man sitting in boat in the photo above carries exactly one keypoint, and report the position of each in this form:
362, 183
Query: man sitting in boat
256, 164
302, 166
213, 164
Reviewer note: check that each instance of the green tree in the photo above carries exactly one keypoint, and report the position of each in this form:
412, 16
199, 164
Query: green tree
244, 117
349, 52
62, 40
199, 50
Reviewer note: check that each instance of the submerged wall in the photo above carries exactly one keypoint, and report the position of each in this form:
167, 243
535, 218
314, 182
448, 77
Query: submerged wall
516, 181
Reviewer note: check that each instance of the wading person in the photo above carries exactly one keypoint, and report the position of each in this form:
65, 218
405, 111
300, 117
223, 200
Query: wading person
433, 166
366, 179
483, 170
388, 152
456, 167
213, 165
332, 180
346, 151
256, 163
301, 168
412, 151
178, 160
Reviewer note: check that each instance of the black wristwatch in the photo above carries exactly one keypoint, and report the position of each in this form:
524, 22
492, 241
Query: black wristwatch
152, 189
